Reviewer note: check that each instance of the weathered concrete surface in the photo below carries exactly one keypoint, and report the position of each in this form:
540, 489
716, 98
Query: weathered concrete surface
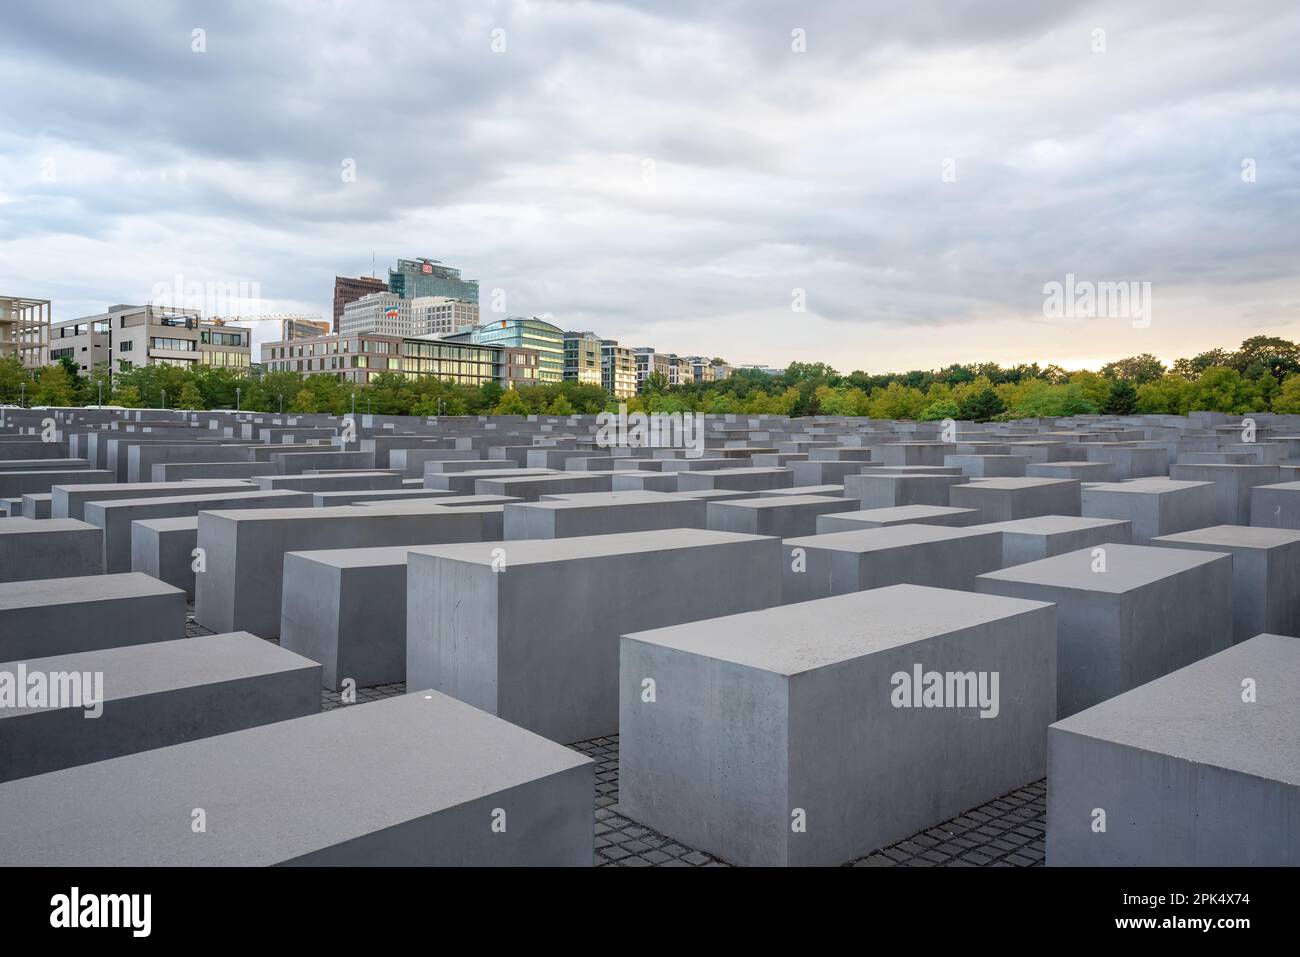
1190, 769
49, 548
154, 695
527, 629
901, 515
304, 792
762, 721
1127, 616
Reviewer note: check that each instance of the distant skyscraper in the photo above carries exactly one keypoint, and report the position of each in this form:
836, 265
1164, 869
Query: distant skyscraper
348, 290
417, 278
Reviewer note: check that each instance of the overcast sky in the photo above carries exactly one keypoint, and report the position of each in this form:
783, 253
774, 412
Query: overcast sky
673, 174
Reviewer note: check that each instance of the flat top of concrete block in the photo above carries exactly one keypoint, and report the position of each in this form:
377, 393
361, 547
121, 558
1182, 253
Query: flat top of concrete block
168, 524
1012, 483
1128, 568
1235, 536
729, 473
381, 556
1197, 713
145, 487
449, 501
721, 494
532, 551
1147, 486
23, 526
789, 639
259, 495
886, 537
549, 478
160, 666
590, 499
286, 789
42, 592
902, 513
782, 501
1051, 524
1073, 463
1282, 486
433, 506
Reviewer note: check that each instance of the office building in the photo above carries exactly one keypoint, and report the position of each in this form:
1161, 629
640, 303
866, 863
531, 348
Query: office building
348, 290
360, 358
419, 278
526, 332
439, 316
25, 329
128, 336
380, 314
582, 358
618, 369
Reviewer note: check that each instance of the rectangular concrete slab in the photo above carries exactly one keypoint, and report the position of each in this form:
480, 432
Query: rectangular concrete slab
837, 563
56, 616
305, 792
529, 629
784, 516
1031, 539
1265, 574
1198, 768
1125, 616
1008, 499
780, 737
899, 515
151, 696
49, 548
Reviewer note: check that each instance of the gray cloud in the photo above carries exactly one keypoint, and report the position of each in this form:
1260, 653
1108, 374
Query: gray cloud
668, 172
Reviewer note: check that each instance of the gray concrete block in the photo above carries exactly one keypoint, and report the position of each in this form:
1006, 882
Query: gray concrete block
784, 516
49, 548
346, 608
304, 792
1275, 506
892, 489
329, 499
527, 629
1031, 539
244, 551
1233, 485
901, 515
1152, 507
116, 515
1126, 614
332, 482
644, 481
824, 473
1188, 773
1007, 499
782, 737
57, 616
610, 513
834, 491
735, 479
40, 481
151, 696
1083, 471
38, 505
837, 563
988, 466
530, 488
163, 548
69, 501
1265, 574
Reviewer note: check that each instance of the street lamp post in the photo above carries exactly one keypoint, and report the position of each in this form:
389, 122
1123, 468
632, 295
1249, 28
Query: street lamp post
238, 397
281, 397
22, 395
164, 398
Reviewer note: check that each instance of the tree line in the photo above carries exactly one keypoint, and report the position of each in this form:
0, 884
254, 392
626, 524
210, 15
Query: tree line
1262, 375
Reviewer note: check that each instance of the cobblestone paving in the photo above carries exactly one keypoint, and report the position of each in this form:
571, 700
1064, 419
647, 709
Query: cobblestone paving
1007, 832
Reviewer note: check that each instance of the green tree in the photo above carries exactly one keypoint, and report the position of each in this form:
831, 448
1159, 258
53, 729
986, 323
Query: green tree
981, 406
53, 386
1138, 370
1169, 395
1122, 399
190, 397
1287, 399
1222, 389
12, 376
128, 396
304, 402
511, 403
560, 405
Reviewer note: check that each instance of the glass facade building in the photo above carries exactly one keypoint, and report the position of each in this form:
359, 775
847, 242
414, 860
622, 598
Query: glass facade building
528, 333
416, 278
